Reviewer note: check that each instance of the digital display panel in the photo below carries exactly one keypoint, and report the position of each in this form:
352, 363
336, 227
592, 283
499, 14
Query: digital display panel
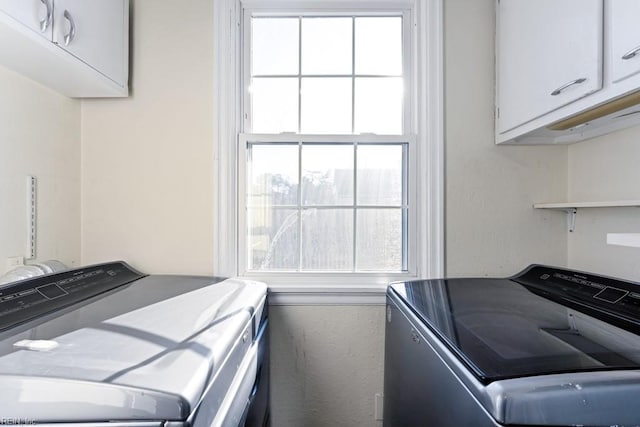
611, 294
51, 291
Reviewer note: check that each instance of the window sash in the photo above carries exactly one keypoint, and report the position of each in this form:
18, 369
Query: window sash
357, 207
408, 122
407, 206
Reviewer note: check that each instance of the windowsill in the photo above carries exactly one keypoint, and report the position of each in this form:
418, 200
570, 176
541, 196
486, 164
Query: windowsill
328, 288
315, 294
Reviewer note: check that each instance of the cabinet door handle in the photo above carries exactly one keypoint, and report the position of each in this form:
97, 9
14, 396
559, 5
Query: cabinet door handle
68, 38
633, 52
44, 24
566, 85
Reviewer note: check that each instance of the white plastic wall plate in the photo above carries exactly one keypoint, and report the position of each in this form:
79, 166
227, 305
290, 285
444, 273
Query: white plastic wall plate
624, 239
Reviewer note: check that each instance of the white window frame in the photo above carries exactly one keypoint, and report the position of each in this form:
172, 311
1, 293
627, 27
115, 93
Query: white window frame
426, 161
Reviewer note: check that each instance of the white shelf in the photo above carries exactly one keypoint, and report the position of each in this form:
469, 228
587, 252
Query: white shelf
624, 239
571, 208
575, 205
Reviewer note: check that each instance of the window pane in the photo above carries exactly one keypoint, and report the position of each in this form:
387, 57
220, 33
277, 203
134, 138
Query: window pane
327, 174
378, 105
379, 46
272, 239
326, 45
273, 175
327, 239
274, 46
274, 105
326, 105
380, 175
379, 240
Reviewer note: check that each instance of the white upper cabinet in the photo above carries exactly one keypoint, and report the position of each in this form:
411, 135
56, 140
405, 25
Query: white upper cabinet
79, 48
34, 14
549, 55
567, 70
624, 38
93, 31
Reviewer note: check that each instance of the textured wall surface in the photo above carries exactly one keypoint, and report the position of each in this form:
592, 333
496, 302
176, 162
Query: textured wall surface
40, 136
605, 168
491, 228
327, 365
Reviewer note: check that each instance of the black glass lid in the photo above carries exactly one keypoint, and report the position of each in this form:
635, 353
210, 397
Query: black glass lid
543, 321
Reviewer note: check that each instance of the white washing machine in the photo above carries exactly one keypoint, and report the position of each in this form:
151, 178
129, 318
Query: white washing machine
108, 346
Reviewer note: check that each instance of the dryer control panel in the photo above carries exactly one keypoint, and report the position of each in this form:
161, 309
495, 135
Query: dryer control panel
29, 299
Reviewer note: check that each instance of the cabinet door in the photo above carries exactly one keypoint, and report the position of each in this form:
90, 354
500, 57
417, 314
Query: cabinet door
36, 15
96, 32
623, 32
549, 55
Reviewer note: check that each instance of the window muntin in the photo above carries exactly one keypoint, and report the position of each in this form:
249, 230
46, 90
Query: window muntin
346, 208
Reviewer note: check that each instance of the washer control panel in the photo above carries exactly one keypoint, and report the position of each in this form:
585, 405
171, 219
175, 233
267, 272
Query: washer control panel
616, 297
29, 299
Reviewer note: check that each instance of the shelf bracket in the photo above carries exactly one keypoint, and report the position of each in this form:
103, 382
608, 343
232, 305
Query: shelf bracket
571, 208
571, 218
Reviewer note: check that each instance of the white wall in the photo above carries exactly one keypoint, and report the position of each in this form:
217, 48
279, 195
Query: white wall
147, 160
601, 169
39, 135
491, 227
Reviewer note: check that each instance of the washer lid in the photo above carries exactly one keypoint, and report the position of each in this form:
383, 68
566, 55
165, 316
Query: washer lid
537, 323
578, 399
149, 346
31, 400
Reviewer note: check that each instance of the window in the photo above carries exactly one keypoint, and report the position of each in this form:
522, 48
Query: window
338, 203
335, 170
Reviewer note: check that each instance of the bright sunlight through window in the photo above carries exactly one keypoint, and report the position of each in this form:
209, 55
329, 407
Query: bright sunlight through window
326, 187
